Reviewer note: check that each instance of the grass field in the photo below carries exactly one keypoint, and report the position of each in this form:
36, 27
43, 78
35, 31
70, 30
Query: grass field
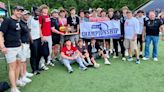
121, 76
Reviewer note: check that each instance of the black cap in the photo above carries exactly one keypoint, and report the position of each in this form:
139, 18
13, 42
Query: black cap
18, 8
140, 11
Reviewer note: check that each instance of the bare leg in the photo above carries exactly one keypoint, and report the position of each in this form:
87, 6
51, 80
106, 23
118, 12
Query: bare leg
18, 67
12, 74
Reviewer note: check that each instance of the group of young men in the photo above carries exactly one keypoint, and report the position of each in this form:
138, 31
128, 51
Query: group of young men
22, 36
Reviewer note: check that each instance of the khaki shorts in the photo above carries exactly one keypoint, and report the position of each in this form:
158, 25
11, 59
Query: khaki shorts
130, 44
25, 52
13, 54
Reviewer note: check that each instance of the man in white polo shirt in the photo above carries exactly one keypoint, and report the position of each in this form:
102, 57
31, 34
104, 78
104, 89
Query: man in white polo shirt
131, 27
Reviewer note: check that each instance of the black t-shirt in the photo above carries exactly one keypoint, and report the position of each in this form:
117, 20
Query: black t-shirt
152, 27
25, 32
11, 30
73, 21
82, 50
122, 21
55, 24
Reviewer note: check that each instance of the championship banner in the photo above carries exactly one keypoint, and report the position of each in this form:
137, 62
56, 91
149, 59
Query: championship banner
100, 30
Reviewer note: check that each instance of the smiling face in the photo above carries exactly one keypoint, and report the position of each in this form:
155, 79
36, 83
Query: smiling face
82, 15
152, 15
103, 14
17, 13
55, 15
129, 15
45, 11
62, 14
73, 12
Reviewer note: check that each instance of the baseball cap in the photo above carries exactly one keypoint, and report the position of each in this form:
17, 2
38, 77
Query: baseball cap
54, 11
18, 8
25, 12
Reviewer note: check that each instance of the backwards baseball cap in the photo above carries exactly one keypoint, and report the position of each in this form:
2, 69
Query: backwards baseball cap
18, 8
54, 11
25, 12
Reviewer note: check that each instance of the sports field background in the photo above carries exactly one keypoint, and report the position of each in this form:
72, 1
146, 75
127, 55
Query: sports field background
121, 76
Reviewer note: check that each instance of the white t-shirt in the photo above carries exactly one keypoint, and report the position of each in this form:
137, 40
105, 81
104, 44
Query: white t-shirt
131, 28
141, 23
35, 27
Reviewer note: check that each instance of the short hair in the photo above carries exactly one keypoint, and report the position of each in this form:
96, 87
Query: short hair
43, 7
81, 11
153, 11
124, 8
141, 11
67, 40
110, 10
103, 11
80, 40
72, 8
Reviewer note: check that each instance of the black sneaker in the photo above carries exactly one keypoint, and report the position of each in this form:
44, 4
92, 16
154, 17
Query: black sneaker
36, 73
141, 56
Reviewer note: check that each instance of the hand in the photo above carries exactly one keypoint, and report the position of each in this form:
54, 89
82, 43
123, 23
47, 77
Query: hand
143, 39
71, 58
4, 50
43, 39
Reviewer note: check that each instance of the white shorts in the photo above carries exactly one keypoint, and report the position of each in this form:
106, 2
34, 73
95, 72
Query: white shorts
25, 52
13, 54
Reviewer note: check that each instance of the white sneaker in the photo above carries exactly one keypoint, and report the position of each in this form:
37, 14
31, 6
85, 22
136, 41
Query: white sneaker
123, 59
29, 74
26, 80
51, 64
45, 68
15, 90
20, 83
96, 65
115, 57
107, 62
155, 59
144, 58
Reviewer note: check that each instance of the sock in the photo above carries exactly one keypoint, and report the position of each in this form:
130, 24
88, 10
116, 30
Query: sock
89, 60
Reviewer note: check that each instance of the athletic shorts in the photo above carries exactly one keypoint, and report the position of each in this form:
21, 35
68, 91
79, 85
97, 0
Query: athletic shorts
25, 52
13, 54
55, 40
130, 44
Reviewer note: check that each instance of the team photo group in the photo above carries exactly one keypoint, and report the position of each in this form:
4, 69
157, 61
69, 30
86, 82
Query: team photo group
45, 36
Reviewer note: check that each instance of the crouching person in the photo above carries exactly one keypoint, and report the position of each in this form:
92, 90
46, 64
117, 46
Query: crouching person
96, 52
87, 59
69, 55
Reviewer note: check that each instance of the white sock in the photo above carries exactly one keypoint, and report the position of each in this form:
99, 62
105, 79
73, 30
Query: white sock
89, 60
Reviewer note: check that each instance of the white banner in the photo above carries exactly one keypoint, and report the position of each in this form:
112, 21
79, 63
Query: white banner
100, 30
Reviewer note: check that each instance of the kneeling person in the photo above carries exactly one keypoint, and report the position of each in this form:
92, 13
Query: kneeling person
70, 55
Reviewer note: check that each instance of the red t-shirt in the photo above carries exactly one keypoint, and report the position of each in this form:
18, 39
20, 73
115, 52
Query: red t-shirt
45, 25
69, 52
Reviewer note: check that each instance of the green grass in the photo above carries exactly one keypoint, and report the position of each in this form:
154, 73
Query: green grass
118, 77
